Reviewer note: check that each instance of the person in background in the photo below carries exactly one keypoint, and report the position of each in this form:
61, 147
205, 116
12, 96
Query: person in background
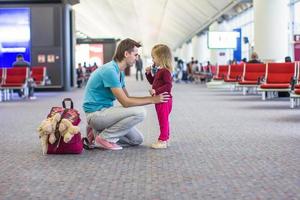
161, 82
208, 66
234, 62
139, 68
287, 59
20, 62
178, 71
254, 58
80, 75
112, 127
84, 65
94, 67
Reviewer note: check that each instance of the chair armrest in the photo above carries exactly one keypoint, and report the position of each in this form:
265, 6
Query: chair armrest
293, 83
260, 80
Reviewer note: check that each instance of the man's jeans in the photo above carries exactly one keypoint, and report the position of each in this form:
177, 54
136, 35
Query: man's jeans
118, 124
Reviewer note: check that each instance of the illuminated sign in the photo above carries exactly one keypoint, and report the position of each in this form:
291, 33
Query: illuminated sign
14, 35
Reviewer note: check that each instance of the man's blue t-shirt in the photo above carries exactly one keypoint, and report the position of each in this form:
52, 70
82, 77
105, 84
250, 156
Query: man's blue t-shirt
98, 92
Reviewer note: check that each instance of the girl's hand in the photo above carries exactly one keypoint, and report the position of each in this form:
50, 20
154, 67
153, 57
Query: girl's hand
152, 92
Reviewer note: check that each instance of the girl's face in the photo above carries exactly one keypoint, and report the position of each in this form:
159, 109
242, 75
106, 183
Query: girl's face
155, 60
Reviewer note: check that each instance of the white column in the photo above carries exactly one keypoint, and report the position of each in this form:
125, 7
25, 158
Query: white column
271, 29
213, 53
183, 52
196, 47
189, 52
176, 53
204, 51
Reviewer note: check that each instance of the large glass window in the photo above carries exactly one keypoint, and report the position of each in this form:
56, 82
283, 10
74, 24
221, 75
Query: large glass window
90, 54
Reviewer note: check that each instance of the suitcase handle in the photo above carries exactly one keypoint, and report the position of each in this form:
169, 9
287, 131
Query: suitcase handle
64, 103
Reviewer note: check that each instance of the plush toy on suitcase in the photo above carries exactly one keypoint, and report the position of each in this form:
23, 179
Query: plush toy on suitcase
59, 133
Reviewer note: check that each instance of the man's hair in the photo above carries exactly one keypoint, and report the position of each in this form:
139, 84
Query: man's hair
287, 59
125, 45
254, 56
20, 56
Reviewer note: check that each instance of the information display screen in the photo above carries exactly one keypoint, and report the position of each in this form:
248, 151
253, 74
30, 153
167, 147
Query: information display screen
222, 40
14, 35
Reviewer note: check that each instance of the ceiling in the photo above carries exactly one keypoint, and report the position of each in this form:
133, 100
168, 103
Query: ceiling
172, 22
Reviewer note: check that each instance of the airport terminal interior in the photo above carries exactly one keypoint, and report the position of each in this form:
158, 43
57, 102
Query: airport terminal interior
213, 93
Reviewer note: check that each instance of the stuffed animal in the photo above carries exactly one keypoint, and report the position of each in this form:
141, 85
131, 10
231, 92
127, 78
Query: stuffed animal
47, 131
67, 130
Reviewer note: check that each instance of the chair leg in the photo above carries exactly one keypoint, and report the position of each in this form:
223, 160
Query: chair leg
292, 100
26, 91
244, 91
264, 94
6, 94
11, 93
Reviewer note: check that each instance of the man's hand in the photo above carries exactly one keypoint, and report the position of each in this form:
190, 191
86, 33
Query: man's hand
127, 101
163, 97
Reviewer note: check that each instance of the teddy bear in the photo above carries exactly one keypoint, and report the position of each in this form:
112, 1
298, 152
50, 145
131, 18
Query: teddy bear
47, 131
67, 130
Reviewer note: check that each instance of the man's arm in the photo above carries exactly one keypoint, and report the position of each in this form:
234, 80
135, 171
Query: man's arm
125, 91
127, 101
127, 94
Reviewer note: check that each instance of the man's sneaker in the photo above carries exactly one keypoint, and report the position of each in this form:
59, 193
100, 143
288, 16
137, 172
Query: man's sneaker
159, 145
90, 135
102, 143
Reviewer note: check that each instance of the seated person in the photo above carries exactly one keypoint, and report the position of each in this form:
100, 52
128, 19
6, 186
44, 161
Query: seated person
254, 58
287, 59
20, 62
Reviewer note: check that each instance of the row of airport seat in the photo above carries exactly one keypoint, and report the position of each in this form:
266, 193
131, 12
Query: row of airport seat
269, 78
205, 73
20, 78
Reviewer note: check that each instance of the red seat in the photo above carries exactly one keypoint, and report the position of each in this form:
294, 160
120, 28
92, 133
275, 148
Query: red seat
222, 71
38, 73
275, 86
278, 78
297, 91
235, 73
253, 71
280, 73
16, 78
213, 70
2, 75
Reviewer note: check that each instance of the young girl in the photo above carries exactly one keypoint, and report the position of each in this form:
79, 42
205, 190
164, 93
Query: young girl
161, 82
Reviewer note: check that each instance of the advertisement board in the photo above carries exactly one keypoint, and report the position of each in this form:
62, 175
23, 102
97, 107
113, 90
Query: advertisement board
14, 35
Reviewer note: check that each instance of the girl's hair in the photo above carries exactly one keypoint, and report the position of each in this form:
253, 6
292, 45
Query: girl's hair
164, 56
